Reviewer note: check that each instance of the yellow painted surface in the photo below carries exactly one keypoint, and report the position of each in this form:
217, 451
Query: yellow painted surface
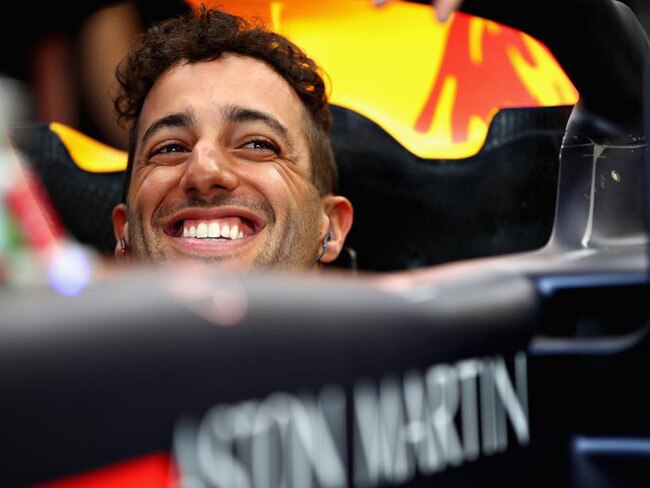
88, 153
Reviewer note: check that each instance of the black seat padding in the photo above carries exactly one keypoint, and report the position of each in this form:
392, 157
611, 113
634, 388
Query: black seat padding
412, 212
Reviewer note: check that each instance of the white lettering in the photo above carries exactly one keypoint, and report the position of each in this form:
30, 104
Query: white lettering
467, 374
420, 423
378, 420
418, 430
442, 385
219, 460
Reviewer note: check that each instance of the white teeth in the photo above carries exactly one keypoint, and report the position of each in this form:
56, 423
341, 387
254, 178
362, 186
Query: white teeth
213, 229
202, 230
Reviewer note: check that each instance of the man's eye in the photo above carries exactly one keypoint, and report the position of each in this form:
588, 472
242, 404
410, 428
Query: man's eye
260, 145
167, 154
170, 148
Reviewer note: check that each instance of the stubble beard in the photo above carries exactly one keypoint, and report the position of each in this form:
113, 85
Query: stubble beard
292, 249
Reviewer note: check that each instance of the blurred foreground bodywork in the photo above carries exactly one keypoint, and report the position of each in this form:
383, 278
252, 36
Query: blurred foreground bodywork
512, 370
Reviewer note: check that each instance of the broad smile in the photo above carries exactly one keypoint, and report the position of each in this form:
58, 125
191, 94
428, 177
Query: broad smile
213, 230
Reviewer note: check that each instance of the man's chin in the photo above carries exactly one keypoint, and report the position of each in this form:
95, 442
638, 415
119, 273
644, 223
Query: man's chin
225, 262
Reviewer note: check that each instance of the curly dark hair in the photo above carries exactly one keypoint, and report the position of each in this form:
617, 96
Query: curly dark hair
206, 34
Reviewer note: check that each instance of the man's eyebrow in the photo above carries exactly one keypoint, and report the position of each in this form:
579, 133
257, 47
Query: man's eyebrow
242, 114
179, 119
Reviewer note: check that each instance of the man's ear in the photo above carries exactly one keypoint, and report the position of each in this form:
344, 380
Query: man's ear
120, 231
339, 213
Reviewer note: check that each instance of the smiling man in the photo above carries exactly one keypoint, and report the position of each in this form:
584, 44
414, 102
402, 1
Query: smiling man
230, 160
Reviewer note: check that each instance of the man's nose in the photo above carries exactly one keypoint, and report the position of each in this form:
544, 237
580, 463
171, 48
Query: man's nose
209, 169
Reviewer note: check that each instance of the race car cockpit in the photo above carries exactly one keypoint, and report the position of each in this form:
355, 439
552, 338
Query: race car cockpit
496, 335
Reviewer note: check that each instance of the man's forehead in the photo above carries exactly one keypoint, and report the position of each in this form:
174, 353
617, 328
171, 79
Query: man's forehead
209, 88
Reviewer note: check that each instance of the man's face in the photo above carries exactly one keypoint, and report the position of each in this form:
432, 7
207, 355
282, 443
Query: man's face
222, 171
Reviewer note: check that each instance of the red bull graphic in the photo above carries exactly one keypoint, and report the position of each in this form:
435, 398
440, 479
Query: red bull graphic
476, 49
434, 87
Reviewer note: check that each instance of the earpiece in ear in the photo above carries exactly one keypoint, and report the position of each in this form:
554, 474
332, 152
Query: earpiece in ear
328, 237
122, 249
